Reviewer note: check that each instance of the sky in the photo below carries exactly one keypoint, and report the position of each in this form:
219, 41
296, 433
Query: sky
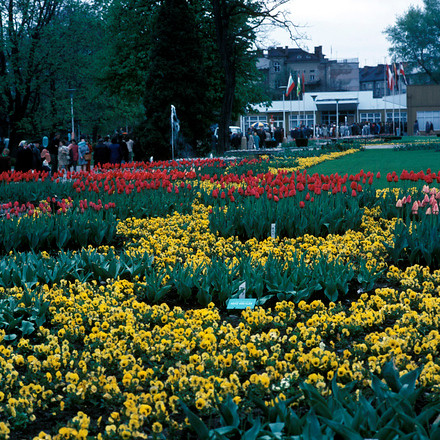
345, 28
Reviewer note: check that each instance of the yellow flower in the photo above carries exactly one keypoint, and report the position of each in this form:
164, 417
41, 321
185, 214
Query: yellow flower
200, 403
157, 427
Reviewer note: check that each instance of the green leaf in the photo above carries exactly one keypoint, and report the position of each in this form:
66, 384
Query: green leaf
196, 423
252, 434
344, 431
27, 328
391, 376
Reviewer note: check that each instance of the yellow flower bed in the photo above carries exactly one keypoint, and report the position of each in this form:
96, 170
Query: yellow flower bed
187, 239
307, 162
105, 350
106, 365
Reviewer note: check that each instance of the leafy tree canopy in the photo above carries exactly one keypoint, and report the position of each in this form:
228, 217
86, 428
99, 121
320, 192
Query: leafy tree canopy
415, 39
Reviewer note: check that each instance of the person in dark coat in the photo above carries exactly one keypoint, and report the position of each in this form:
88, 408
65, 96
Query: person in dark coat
124, 150
24, 159
101, 153
115, 152
5, 160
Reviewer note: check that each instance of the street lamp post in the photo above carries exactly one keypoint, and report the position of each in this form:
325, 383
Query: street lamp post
314, 114
72, 91
337, 118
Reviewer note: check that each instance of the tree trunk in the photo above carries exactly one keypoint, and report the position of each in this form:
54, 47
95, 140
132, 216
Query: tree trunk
226, 112
225, 44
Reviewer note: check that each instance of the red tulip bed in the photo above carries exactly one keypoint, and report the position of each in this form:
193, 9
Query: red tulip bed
118, 290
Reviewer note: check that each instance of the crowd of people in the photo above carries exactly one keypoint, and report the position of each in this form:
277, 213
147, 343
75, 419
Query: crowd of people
59, 154
257, 138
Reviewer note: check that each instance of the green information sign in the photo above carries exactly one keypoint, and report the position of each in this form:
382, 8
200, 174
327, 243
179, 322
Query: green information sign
241, 303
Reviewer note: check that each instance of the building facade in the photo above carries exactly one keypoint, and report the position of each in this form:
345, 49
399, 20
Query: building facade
338, 91
329, 108
423, 106
319, 73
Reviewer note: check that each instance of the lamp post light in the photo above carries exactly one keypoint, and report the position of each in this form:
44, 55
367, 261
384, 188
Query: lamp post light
337, 118
314, 114
71, 92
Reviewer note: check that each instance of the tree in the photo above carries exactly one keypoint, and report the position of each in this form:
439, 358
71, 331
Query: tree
210, 55
236, 23
23, 29
415, 39
176, 76
46, 48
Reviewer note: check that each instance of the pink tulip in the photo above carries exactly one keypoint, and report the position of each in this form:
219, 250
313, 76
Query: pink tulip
435, 209
399, 203
428, 211
415, 208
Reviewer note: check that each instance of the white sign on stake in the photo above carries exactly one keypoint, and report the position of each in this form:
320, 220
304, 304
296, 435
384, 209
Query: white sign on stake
242, 290
273, 230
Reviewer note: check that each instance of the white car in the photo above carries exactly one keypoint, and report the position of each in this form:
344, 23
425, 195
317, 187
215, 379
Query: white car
233, 129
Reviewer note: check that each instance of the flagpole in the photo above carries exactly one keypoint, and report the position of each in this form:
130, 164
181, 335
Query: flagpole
385, 94
304, 108
394, 121
290, 113
284, 115
400, 105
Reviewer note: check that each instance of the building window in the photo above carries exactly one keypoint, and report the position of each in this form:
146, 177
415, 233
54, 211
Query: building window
370, 117
249, 120
277, 83
432, 117
278, 120
402, 116
276, 66
296, 120
312, 77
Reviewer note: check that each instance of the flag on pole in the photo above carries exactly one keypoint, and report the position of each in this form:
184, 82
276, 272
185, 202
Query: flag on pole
402, 74
303, 83
390, 78
290, 85
396, 76
298, 87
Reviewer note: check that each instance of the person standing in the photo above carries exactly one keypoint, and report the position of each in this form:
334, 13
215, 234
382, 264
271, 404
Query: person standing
130, 143
101, 153
5, 160
63, 156
83, 149
124, 150
428, 127
53, 150
256, 140
115, 152
45, 159
24, 157
416, 127
73, 155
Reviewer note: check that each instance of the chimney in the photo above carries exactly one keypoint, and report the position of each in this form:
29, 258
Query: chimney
318, 51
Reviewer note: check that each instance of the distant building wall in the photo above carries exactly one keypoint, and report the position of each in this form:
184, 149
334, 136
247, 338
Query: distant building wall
423, 103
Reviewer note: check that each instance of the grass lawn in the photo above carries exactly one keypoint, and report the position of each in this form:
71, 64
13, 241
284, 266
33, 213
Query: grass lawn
385, 161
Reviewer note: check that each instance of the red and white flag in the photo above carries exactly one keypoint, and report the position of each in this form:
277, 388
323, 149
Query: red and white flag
290, 85
390, 78
402, 74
